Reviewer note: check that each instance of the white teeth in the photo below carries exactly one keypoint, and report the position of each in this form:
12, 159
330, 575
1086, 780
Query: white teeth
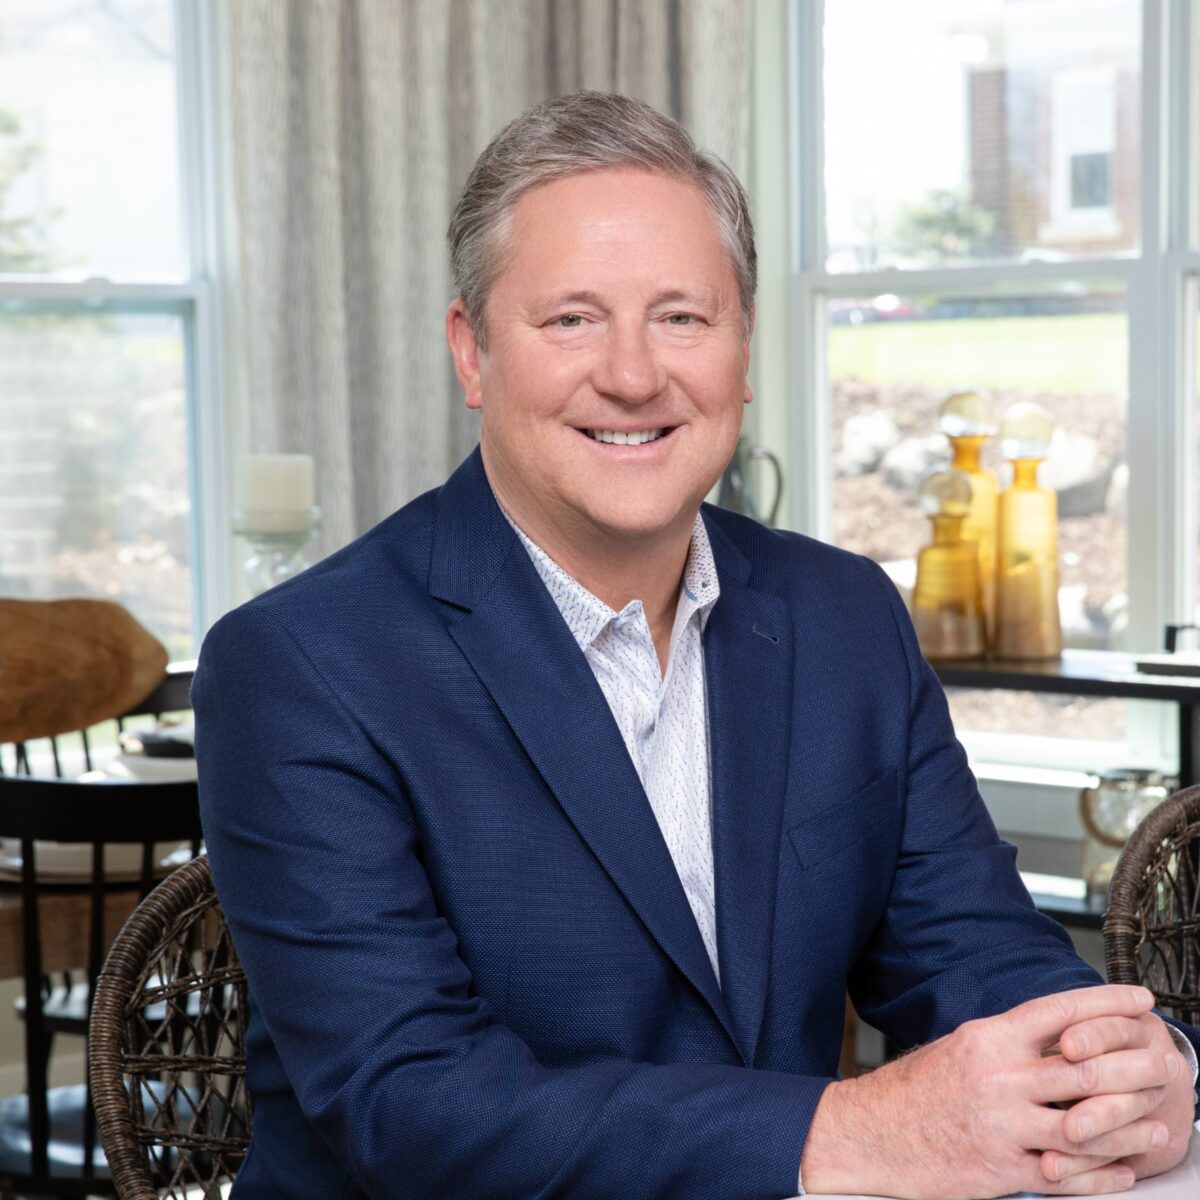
615, 437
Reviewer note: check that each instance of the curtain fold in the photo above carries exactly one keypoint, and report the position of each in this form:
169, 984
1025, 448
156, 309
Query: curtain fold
353, 126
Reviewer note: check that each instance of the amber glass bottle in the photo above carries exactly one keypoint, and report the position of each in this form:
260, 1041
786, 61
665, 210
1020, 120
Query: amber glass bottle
947, 609
966, 419
1027, 620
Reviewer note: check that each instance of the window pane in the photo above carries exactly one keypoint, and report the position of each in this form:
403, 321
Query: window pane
1090, 186
94, 464
963, 132
87, 105
1031, 714
893, 359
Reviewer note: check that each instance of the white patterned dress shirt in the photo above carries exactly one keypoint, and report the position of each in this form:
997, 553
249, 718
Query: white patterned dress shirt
663, 718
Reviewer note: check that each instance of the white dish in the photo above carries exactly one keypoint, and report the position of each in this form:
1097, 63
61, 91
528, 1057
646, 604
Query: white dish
137, 768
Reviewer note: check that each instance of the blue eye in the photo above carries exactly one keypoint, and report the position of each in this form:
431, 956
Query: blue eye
569, 321
681, 320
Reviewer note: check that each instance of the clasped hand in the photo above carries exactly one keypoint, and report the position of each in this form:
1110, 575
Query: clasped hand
1071, 1094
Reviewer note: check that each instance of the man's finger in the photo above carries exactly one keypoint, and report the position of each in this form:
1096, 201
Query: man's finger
1097, 1176
1058, 1079
1041, 1022
1138, 1138
1079, 1130
1057, 1167
1099, 1115
1103, 1034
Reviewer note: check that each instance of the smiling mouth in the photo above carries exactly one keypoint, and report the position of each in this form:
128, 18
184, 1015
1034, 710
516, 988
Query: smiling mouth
615, 437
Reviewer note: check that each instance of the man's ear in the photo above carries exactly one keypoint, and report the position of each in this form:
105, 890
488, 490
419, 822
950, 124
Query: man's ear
460, 337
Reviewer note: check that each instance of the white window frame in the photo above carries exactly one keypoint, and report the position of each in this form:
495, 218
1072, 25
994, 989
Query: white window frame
194, 299
1162, 422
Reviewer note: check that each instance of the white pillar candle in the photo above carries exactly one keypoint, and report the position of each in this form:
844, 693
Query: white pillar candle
277, 492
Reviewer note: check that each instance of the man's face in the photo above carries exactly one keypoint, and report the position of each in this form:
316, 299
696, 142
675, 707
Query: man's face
616, 313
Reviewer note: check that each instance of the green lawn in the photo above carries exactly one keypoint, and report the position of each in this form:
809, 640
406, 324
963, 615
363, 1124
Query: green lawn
1055, 355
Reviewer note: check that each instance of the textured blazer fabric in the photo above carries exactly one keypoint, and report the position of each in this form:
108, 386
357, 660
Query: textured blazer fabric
474, 972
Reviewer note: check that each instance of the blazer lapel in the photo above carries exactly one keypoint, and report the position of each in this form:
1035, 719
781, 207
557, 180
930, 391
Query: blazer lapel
520, 647
749, 668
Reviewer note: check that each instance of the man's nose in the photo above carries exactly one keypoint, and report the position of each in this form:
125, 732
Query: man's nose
629, 370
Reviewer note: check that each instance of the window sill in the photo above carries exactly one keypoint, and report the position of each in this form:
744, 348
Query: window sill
1041, 758
1083, 224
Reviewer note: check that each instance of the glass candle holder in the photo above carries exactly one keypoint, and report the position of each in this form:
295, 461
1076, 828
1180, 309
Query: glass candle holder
277, 541
947, 608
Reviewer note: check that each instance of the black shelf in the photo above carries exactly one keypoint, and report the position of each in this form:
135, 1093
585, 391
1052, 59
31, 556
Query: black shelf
1078, 673
1108, 673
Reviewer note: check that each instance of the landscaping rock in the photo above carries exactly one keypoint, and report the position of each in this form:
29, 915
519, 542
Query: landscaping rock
909, 459
866, 438
1116, 501
1077, 471
1079, 622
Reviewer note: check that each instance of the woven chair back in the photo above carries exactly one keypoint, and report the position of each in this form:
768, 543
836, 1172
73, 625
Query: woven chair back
1152, 929
167, 1046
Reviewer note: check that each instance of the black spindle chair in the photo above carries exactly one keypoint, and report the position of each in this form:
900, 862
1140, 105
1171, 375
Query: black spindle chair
48, 1142
63, 756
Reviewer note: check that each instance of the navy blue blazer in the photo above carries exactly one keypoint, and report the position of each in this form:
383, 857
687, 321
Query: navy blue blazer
473, 969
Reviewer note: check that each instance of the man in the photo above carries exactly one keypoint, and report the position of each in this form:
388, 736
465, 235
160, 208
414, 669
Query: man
555, 817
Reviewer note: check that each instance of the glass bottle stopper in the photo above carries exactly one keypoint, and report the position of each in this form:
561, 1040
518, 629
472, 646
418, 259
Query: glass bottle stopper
966, 414
1025, 431
945, 493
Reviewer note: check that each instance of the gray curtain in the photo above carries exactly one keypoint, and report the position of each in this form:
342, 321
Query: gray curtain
353, 125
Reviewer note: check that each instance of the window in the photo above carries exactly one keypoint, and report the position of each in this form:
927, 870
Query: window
980, 205
1085, 121
1090, 185
103, 307
1017, 110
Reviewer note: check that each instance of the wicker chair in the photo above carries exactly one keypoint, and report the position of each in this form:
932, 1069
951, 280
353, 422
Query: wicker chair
167, 1046
1152, 930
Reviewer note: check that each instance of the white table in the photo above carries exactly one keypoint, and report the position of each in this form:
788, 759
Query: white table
1182, 1183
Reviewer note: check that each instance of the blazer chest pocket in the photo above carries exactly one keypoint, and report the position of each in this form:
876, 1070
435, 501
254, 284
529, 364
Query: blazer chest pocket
838, 826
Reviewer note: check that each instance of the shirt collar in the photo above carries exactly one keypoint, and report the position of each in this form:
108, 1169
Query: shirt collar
587, 615
701, 588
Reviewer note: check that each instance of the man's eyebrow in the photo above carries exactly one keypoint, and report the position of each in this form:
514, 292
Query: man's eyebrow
586, 296
682, 296
580, 296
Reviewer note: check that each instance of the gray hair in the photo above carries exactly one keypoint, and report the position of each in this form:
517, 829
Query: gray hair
585, 131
